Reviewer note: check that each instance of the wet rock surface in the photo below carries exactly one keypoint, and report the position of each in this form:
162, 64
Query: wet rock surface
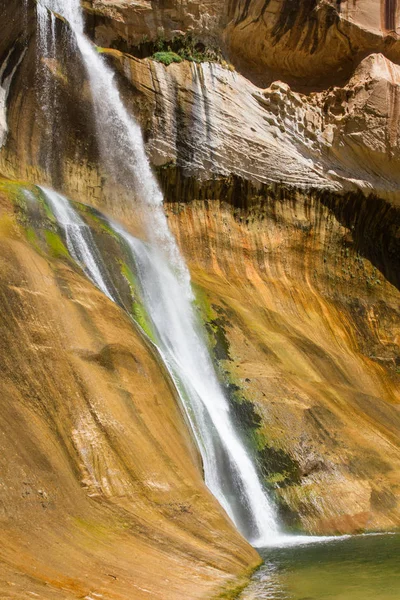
102, 492
311, 327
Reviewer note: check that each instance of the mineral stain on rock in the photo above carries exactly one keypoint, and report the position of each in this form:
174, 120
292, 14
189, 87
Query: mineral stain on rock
390, 15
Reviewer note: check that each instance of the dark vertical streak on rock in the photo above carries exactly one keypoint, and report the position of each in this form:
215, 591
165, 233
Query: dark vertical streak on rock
244, 13
263, 10
390, 9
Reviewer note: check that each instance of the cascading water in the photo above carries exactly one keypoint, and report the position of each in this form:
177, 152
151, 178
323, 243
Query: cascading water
167, 295
5, 83
81, 245
229, 472
169, 316
46, 44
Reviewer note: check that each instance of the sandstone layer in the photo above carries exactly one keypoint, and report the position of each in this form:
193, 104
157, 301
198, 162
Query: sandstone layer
205, 118
309, 42
305, 328
101, 493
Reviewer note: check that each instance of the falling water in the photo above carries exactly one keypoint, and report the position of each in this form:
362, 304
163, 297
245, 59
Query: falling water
210, 422
46, 45
5, 83
167, 294
80, 242
229, 472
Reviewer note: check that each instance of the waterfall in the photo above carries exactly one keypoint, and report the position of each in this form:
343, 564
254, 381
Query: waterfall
46, 47
229, 472
80, 242
5, 83
165, 285
161, 296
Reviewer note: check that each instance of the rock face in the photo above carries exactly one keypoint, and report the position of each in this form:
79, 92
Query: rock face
102, 492
312, 42
133, 23
309, 42
305, 328
281, 171
210, 121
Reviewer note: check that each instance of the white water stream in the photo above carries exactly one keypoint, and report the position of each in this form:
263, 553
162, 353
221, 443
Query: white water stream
80, 242
166, 293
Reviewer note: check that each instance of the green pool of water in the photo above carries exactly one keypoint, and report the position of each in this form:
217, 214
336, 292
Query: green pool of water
357, 568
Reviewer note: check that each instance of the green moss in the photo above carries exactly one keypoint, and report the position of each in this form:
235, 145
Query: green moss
44, 204
232, 593
31, 236
92, 214
186, 47
35, 217
202, 304
11, 187
15, 191
215, 322
167, 58
92, 528
138, 311
234, 588
277, 478
278, 467
140, 316
33, 239
56, 245
171, 164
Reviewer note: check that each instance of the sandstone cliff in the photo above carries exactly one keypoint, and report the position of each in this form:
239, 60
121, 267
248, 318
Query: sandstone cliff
304, 321
206, 118
102, 492
280, 166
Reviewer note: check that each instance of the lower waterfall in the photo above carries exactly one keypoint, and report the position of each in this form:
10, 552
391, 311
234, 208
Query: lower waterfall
229, 472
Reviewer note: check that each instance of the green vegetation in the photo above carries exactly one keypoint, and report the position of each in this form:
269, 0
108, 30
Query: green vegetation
215, 323
56, 245
34, 217
89, 212
31, 236
185, 47
15, 191
277, 468
233, 589
167, 58
138, 311
98, 530
232, 593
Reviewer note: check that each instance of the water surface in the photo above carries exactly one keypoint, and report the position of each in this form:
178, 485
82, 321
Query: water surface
356, 568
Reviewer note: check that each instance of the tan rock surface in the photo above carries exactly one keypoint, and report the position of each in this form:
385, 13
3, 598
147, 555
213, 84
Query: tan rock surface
311, 42
134, 22
318, 345
210, 121
311, 337
101, 492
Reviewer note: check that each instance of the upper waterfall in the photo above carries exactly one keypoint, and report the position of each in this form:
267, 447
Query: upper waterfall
165, 285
